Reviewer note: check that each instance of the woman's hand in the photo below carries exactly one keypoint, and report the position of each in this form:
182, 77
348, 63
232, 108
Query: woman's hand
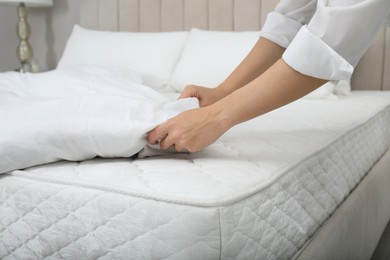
196, 129
206, 96
190, 131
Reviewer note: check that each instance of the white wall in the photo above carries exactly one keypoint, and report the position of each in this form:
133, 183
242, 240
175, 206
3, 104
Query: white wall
50, 28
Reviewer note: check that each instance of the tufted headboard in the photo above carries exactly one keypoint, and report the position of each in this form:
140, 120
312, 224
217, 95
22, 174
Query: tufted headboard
372, 72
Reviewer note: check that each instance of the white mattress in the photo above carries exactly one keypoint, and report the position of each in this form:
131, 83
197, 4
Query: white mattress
260, 192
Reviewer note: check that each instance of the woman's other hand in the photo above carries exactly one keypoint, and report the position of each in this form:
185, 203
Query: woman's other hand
206, 96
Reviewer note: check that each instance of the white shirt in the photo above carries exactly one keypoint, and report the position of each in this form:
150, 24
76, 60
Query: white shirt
325, 38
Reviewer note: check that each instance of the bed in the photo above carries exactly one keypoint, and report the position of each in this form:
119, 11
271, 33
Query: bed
307, 181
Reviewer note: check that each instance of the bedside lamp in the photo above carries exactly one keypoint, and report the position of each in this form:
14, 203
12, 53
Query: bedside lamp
24, 50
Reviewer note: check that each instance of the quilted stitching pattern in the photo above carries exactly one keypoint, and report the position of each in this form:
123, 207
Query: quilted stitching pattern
303, 199
44, 220
64, 222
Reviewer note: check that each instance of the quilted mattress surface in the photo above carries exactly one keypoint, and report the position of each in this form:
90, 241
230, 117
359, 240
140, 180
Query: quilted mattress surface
259, 192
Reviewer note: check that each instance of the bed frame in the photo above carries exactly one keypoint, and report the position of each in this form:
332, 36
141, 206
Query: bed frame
356, 226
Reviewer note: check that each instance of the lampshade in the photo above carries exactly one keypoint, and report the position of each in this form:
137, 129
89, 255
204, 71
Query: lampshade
31, 3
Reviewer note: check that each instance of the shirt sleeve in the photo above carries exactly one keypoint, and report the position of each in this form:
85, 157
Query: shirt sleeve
336, 37
284, 22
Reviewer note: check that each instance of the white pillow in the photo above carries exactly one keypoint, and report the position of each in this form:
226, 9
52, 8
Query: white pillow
210, 56
151, 55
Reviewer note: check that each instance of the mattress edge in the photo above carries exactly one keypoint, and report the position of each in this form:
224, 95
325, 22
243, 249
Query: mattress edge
214, 203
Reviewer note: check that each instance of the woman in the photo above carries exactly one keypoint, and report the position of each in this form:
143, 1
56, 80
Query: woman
303, 44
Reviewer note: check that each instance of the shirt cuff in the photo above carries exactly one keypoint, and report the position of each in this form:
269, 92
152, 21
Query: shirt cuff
280, 29
311, 56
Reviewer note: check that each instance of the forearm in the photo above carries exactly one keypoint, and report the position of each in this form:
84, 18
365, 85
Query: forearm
195, 129
276, 87
263, 55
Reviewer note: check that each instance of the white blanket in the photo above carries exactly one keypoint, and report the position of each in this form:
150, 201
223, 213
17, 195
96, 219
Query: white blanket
77, 114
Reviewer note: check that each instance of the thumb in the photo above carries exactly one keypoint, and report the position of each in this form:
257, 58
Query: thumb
189, 91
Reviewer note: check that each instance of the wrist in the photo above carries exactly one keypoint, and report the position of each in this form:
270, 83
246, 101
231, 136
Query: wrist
220, 115
223, 90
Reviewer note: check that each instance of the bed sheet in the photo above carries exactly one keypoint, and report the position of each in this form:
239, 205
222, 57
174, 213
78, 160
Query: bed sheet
258, 193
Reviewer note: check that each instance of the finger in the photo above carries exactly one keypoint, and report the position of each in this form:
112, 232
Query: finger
188, 92
166, 143
185, 95
157, 134
178, 147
